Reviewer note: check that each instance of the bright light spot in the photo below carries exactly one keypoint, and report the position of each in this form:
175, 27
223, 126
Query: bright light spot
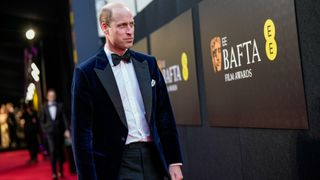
30, 92
35, 72
30, 34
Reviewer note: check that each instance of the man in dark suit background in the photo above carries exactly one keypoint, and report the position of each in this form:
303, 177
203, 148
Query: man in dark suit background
122, 122
54, 125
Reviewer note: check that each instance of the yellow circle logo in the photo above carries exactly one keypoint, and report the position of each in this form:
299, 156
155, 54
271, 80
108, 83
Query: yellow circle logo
184, 63
269, 32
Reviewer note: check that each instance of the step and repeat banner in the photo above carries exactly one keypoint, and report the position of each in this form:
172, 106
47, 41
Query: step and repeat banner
173, 46
251, 60
252, 66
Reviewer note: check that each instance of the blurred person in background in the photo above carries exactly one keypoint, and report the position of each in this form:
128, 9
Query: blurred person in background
4, 127
12, 122
20, 127
54, 124
31, 132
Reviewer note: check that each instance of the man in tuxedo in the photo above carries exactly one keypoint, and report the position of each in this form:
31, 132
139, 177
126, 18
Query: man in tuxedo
122, 122
54, 124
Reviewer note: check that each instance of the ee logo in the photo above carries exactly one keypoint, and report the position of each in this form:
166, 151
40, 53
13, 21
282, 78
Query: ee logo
184, 63
271, 44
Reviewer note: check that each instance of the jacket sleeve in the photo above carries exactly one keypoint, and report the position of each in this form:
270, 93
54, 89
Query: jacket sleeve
42, 119
44, 124
64, 118
166, 122
81, 126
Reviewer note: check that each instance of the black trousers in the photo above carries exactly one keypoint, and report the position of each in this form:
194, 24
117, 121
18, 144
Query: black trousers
31, 138
56, 151
140, 161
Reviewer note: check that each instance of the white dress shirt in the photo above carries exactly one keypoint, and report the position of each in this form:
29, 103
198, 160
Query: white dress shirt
52, 110
132, 101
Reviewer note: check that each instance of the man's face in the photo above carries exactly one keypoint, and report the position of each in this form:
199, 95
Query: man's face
51, 96
120, 31
216, 53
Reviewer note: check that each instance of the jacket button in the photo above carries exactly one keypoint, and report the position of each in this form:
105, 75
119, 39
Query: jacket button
123, 139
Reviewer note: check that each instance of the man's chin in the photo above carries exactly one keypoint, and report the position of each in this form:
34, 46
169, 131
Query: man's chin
125, 47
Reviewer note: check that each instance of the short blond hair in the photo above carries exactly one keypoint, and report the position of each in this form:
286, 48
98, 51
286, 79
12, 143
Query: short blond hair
106, 12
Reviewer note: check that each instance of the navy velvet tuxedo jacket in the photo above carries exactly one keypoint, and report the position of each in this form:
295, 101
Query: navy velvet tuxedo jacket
99, 126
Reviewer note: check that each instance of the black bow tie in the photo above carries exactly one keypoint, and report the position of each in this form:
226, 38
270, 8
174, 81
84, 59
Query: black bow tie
116, 58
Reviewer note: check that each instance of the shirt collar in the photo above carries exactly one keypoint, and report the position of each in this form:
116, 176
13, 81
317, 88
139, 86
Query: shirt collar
52, 103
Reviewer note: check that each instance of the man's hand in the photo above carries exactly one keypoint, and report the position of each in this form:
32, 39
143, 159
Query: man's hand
175, 172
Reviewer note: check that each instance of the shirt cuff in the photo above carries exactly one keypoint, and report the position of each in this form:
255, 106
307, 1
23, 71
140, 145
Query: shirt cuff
175, 164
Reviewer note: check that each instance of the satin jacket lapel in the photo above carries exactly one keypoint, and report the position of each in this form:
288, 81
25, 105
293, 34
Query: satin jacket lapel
143, 75
58, 111
109, 83
48, 112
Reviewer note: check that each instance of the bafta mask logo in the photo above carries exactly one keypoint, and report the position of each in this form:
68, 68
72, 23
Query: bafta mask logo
161, 64
215, 49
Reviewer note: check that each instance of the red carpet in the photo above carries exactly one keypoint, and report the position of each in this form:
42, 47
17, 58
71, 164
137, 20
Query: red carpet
13, 166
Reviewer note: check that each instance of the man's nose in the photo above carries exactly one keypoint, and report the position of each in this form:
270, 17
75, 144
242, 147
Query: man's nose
130, 30
129, 33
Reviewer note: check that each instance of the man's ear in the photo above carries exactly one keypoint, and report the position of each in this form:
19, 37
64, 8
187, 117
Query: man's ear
104, 27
